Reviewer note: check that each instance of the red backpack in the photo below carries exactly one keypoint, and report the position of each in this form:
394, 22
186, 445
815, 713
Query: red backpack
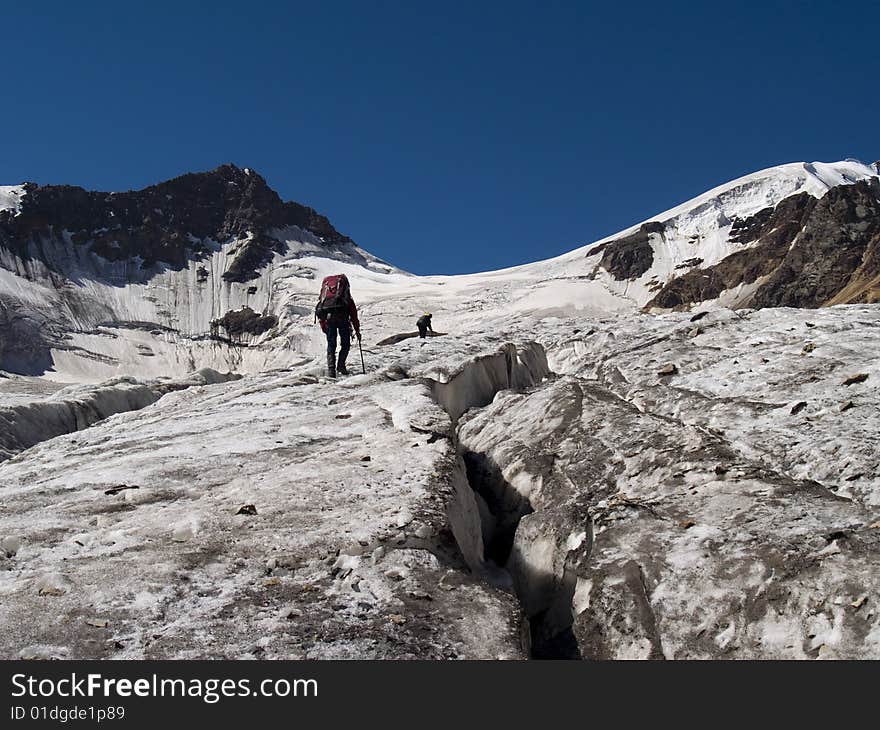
335, 298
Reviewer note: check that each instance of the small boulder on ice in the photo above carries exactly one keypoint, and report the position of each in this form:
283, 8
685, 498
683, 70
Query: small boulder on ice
9, 546
119, 488
396, 573
53, 584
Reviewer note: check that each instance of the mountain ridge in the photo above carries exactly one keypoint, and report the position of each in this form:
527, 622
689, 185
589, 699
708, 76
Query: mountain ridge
213, 206
98, 285
669, 260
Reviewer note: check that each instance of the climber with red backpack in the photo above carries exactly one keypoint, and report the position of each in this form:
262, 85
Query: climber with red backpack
337, 313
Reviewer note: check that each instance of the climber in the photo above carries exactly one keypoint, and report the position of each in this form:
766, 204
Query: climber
337, 313
424, 324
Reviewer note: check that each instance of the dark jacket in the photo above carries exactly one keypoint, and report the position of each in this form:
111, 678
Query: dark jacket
352, 316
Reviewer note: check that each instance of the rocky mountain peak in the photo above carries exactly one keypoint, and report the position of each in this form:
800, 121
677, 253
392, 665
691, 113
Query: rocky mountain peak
803, 252
171, 223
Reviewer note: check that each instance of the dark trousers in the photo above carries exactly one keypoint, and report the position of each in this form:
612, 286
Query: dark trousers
423, 330
343, 330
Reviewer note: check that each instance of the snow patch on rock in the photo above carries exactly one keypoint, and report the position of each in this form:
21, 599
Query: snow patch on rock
11, 197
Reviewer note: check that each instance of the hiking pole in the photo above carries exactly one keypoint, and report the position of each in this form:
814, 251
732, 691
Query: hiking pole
360, 347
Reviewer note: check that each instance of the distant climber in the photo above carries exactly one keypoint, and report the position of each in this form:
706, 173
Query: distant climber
424, 325
337, 313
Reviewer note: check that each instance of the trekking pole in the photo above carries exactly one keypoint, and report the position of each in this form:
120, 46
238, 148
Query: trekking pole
360, 347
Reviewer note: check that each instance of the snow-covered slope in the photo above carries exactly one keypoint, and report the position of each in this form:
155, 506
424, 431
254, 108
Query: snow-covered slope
10, 197
635, 263
747, 195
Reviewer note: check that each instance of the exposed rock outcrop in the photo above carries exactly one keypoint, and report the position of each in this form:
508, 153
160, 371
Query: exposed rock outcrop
170, 223
836, 258
243, 324
631, 256
805, 252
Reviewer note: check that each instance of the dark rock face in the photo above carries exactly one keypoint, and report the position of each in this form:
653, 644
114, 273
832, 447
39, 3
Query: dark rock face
813, 252
836, 258
690, 263
631, 256
244, 322
169, 223
773, 227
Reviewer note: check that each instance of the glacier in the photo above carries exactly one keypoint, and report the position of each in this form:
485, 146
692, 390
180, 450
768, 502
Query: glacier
566, 473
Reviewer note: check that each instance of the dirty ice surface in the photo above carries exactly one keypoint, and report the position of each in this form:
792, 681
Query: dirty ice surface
275, 516
712, 491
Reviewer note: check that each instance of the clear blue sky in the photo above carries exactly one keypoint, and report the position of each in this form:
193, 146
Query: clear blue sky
444, 137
